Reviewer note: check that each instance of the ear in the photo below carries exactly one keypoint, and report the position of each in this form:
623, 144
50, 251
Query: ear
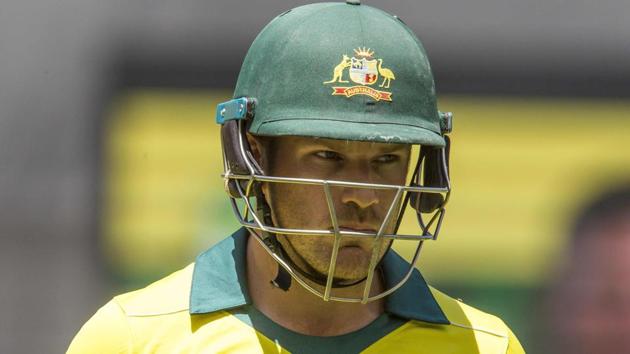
258, 150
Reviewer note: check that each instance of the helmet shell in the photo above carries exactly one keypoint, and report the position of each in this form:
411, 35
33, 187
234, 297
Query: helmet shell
341, 71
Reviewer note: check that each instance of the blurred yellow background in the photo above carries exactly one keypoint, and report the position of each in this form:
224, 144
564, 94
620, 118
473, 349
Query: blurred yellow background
520, 169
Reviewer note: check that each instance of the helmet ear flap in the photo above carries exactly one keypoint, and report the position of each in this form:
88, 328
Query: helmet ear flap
237, 154
434, 174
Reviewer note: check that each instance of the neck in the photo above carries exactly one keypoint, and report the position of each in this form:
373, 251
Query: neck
298, 309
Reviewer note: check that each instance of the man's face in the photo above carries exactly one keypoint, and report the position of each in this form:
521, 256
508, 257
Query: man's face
357, 209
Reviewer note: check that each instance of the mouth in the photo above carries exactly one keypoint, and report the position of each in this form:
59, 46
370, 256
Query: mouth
360, 236
358, 228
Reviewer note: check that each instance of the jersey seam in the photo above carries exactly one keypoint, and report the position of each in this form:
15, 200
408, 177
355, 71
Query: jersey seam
507, 345
479, 330
128, 325
155, 314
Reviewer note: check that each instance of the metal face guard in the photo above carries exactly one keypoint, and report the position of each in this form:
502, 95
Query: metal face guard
244, 184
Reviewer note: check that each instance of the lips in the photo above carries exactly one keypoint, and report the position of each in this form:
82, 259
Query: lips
358, 228
363, 242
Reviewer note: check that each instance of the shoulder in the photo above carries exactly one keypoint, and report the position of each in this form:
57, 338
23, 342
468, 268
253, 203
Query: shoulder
486, 327
105, 332
116, 325
462, 315
167, 295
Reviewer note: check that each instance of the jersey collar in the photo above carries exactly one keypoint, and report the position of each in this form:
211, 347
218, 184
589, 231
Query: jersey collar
219, 283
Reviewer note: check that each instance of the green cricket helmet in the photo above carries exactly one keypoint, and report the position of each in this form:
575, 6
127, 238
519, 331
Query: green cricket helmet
339, 71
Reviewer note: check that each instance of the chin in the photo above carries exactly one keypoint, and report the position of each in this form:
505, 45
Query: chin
351, 273
352, 263
351, 278
346, 272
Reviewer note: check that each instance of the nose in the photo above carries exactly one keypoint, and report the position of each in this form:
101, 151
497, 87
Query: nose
362, 198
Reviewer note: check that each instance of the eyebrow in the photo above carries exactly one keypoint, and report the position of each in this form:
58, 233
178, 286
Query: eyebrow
383, 147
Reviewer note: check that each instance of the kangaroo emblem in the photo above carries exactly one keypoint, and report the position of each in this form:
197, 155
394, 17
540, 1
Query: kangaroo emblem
364, 71
338, 72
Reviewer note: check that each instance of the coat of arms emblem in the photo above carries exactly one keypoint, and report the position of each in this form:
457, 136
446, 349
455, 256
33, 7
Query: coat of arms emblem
365, 71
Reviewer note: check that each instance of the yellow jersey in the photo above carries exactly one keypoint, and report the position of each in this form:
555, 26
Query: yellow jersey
205, 308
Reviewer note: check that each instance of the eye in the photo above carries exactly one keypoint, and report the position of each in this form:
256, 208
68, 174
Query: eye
387, 158
328, 155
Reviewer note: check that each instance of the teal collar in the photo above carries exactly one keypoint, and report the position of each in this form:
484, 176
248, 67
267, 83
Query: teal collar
219, 283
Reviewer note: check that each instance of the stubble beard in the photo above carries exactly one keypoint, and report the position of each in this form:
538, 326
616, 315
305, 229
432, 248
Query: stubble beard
312, 253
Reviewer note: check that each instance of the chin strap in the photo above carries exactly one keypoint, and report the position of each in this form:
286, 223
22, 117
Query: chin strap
282, 280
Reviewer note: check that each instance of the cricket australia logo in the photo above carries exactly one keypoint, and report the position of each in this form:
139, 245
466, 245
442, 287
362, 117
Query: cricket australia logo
365, 71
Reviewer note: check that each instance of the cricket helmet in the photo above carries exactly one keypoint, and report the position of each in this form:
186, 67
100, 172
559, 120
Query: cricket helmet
340, 71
